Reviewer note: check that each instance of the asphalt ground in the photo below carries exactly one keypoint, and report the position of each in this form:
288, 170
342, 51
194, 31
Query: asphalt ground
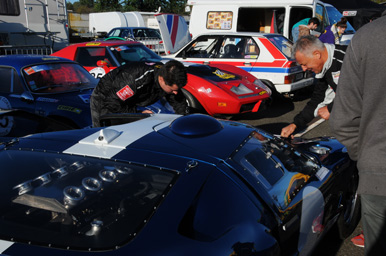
272, 119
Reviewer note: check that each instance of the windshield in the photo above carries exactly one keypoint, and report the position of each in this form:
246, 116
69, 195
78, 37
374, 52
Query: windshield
135, 33
278, 167
135, 52
146, 33
57, 78
77, 203
334, 16
283, 44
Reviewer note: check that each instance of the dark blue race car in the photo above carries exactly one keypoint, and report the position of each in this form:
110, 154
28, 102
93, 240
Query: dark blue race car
48, 86
172, 185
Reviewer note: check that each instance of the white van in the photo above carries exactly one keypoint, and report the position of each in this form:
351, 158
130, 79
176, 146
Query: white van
269, 16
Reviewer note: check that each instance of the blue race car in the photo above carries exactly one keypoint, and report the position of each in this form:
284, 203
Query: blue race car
172, 185
48, 86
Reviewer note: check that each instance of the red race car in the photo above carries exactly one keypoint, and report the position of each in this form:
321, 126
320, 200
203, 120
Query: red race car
216, 89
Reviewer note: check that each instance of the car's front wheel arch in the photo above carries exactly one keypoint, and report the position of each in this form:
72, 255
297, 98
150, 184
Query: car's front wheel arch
193, 103
351, 214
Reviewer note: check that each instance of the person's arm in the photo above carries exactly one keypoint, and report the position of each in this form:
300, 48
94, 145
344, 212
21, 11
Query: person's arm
346, 114
308, 113
178, 102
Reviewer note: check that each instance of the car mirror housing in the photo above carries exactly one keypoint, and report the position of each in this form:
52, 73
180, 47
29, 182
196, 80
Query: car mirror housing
27, 96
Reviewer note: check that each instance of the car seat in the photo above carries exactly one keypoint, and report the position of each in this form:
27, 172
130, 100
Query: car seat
230, 51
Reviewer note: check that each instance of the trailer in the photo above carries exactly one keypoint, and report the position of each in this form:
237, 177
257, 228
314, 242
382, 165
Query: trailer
33, 24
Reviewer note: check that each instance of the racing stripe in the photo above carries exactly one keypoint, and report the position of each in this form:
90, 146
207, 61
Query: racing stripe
272, 49
4, 245
122, 136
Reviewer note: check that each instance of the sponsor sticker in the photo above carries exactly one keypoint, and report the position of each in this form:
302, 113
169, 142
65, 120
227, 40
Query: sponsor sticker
349, 13
322, 173
90, 44
335, 76
70, 109
121, 48
125, 93
223, 75
43, 99
34, 69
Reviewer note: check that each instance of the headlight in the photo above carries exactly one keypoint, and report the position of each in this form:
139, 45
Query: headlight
262, 86
241, 89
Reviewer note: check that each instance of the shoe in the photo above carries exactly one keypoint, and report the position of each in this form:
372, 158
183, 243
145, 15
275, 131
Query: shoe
359, 240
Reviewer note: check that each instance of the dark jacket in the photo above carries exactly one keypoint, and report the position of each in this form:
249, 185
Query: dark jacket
328, 36
324, 90
125, 88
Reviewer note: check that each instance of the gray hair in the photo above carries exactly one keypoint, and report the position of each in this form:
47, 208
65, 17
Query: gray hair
307, 45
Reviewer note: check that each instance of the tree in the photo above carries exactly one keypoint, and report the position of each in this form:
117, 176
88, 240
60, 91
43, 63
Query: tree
107, 5
167, 6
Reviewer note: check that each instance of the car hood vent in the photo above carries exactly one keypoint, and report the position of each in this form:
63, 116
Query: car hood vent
195, 125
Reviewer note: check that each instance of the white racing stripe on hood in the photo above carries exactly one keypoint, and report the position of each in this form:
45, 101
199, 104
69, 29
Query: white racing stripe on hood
4, 245
126, 134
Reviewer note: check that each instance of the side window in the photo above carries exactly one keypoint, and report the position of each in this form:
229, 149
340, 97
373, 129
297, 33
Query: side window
10, 81
9, 7
203, 47
321, 14
219, 20
238, 47
248, 48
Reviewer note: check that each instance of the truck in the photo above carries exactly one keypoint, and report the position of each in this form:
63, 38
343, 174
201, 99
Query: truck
269, 16
32, 26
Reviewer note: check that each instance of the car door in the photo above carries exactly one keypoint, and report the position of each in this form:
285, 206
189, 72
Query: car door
239, 51
201, 50
12, 91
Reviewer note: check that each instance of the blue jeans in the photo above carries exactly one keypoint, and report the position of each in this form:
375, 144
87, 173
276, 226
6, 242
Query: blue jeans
295, 34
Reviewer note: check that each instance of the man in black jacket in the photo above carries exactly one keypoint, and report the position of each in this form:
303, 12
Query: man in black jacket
325, 60
139, 84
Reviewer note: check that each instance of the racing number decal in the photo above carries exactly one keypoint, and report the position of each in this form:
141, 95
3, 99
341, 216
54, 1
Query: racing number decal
97, 72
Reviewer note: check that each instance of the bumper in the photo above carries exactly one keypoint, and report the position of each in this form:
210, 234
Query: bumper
283, 88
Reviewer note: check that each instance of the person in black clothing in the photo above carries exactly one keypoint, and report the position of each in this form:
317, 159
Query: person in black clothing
139, 84
325, 60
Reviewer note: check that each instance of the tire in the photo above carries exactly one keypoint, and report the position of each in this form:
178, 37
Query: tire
351, 214
275, 96
193, 104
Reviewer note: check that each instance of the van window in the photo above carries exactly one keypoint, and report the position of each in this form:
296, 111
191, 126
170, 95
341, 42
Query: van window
260, 19
9, 7
219, 20
297, 14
